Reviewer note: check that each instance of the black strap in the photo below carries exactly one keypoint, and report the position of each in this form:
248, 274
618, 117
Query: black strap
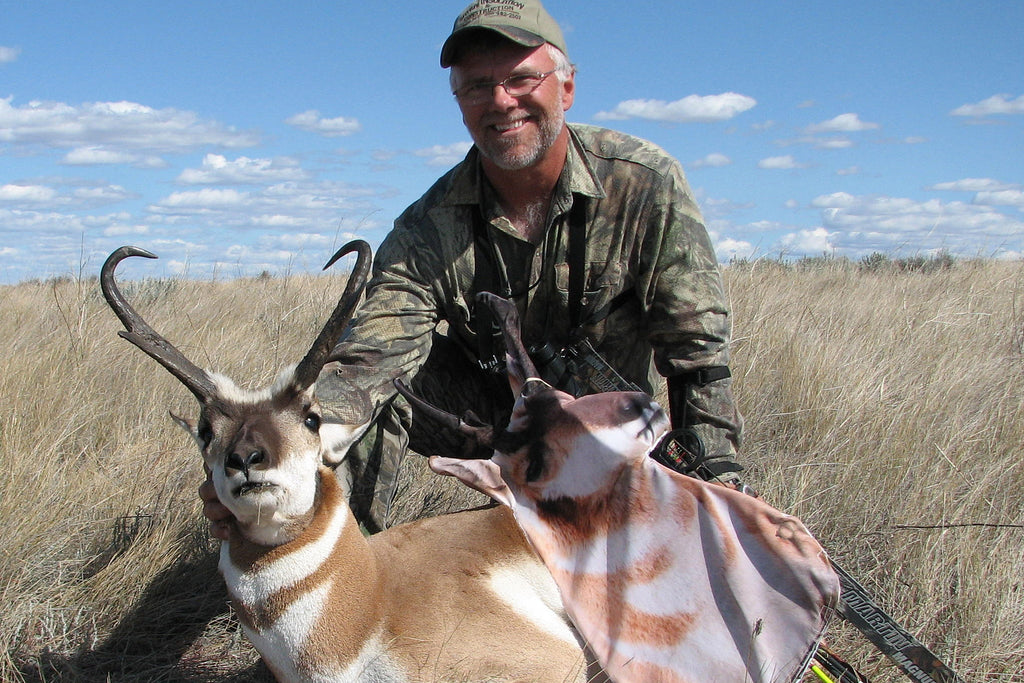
679, 388
484, 280
708, 375
577, 266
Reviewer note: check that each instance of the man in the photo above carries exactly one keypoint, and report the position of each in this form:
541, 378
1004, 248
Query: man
642, 285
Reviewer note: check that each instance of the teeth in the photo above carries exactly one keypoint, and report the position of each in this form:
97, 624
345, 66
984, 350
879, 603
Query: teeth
503, 127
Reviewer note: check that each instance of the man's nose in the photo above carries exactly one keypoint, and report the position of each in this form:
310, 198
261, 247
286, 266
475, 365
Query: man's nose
500, 99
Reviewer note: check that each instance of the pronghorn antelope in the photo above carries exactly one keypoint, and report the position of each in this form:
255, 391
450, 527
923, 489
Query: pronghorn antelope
667, 578
458, 597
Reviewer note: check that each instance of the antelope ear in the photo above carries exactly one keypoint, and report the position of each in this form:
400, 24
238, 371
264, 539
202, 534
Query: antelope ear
336, 440
190, 427
516, 374
482, 475
520, 417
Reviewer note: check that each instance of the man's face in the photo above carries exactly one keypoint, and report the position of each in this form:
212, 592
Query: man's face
513, 132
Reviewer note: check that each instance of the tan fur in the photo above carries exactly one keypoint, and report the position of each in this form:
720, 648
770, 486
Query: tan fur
423, 590
418, 602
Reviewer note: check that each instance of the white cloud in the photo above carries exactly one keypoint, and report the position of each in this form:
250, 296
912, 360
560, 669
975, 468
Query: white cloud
1001, 198
959, 226
997, 104
850, 170
444, 155
855, 226
278, 220
39, 222
106, 194
112, 126
26, 193
713, 160
67, 195
844, 123
973, 185
833, 143
830, 142
202, 199
713, 207
217, 169
780, 163
126, 230
300, 240
988, 191
93, 156
690, 109
294, 206
383, 155
311, 122
9, 54
814, 241
728, 249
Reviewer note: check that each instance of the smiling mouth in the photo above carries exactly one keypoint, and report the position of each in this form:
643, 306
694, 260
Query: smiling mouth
510, 126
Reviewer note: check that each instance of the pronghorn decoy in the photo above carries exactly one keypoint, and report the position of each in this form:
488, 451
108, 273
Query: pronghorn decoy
668, 578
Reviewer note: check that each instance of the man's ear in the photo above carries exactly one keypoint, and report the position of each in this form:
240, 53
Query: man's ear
569, 92
482, 475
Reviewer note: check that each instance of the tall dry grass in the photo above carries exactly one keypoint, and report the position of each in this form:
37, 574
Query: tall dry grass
883, 407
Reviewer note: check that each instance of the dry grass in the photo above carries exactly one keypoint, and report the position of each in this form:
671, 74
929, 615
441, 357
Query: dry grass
886, 410
876, 403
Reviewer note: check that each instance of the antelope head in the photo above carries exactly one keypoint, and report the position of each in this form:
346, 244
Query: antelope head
556, 447
265, 449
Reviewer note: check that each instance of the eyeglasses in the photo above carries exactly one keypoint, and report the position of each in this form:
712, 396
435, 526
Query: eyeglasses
516, 85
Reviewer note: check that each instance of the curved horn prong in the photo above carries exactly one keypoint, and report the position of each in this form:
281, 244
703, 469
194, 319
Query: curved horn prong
310, 366
138, 332
482, 434
508, 315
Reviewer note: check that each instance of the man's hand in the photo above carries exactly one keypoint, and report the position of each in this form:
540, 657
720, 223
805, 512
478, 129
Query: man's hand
220, 517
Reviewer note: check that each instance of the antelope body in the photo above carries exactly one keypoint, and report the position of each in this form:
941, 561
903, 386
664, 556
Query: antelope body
459, 597
668, 578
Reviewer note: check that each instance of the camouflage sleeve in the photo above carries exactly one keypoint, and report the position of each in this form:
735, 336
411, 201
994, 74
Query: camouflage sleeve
392, 329
688, 316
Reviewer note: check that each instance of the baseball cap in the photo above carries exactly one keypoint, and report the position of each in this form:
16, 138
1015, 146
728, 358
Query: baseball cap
525, 22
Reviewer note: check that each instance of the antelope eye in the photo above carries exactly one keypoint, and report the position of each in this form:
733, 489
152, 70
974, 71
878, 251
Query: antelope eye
204, 432
534, 469
312, 422
634, 407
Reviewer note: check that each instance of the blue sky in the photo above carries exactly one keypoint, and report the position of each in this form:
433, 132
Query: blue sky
231, 138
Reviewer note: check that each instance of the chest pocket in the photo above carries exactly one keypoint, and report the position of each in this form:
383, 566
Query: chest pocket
605, 281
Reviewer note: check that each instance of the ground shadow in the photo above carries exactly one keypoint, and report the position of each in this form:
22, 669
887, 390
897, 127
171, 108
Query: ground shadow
181, 630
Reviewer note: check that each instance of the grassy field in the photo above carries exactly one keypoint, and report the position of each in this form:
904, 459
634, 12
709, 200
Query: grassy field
883, 406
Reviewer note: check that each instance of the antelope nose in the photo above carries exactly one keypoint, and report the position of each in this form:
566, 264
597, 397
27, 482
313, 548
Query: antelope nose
237, 461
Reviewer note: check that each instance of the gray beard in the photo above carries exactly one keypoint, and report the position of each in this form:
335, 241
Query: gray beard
505, 159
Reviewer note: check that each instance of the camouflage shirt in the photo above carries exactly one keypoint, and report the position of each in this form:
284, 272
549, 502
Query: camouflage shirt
653, 302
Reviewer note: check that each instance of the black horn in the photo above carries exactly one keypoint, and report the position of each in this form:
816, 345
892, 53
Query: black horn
507, 315
481, 434
138, 332
310, 366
